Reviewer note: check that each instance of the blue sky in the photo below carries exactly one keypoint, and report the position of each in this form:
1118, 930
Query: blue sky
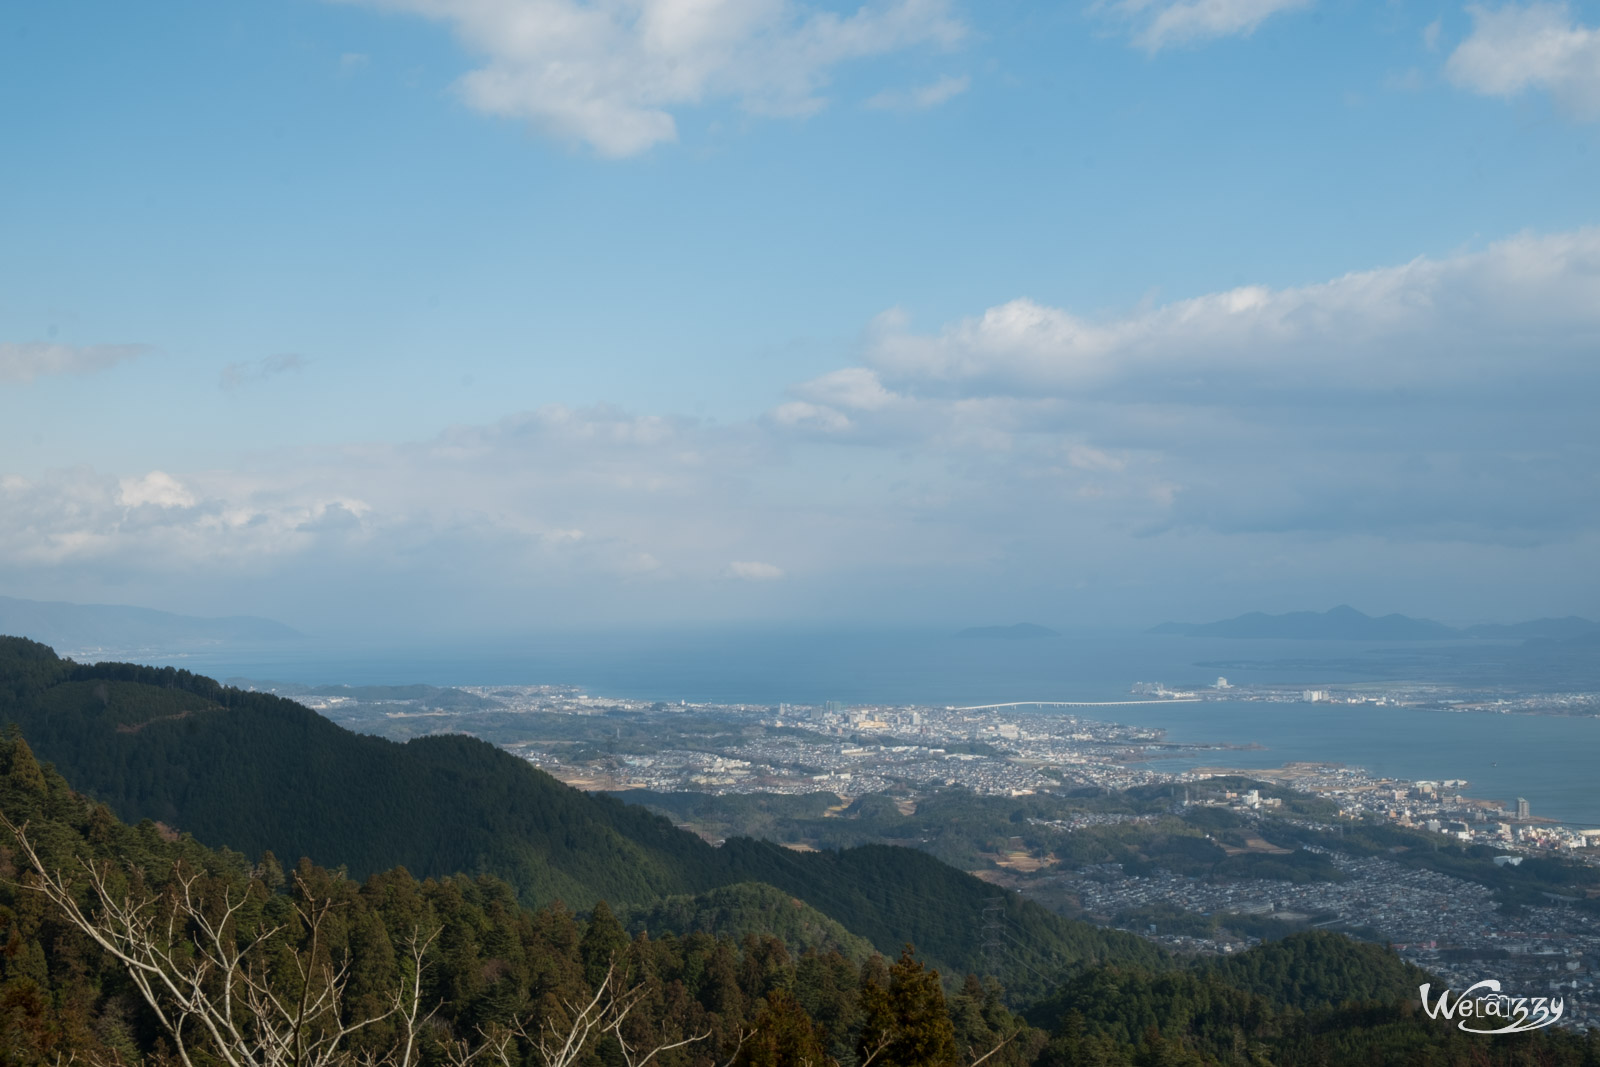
418, 312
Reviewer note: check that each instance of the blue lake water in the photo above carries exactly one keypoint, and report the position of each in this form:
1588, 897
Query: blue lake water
1550, 760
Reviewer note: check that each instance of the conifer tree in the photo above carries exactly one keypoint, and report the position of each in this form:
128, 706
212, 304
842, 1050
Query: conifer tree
604, 943
906, 1023
784, 1036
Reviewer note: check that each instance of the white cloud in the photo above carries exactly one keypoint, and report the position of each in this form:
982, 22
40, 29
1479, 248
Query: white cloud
158, 526
1515, 48
1430, 35
856, 388
23, 362
803, 415
1159, 24
1416, 324
612, 73
158, 488
595, 491
755, 572
921, 97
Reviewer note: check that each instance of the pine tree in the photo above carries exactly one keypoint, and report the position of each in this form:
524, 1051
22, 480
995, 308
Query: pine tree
604, 942
784, 1035
906, 1023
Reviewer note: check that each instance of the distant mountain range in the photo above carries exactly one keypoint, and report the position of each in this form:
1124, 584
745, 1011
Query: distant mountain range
77, 628
1022, 631
1345, 623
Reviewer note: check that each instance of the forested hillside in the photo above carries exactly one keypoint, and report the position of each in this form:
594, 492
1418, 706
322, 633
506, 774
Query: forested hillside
752, 908
455, 969
258, 773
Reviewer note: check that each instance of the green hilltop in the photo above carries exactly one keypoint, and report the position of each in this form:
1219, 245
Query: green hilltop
752, 909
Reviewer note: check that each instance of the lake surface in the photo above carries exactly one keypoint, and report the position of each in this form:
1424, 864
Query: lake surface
1550, 760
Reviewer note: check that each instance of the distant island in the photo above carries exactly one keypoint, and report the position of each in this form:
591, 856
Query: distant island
1345, 623
122, 629
1022, 631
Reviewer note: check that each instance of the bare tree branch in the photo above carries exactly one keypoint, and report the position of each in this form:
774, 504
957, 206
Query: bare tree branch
209, 984
213, 991
1003, 1043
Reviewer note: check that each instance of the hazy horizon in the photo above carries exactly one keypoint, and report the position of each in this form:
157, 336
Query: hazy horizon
397, 632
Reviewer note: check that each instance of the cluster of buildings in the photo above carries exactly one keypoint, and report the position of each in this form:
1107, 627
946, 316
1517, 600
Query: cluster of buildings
850, 751
1426, 695
1085, 819
1446, 925
987, 751
1436, 806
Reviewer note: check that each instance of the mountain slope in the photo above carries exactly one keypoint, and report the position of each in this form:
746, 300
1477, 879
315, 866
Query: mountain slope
127, 628
1345, 623
256, 772
1342, 623
752, 908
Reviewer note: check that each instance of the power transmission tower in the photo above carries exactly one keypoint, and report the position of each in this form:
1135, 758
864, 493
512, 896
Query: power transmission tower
994, 911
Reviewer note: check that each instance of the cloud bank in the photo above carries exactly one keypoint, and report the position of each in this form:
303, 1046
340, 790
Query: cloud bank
1435, 399
1428, 422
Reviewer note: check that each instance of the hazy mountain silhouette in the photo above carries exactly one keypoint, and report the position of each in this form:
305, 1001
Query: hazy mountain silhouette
119, 628
1342, 623
1345, 623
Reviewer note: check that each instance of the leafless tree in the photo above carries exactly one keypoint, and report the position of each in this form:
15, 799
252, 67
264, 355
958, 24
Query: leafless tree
557, 1042
210, 984
213, 990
